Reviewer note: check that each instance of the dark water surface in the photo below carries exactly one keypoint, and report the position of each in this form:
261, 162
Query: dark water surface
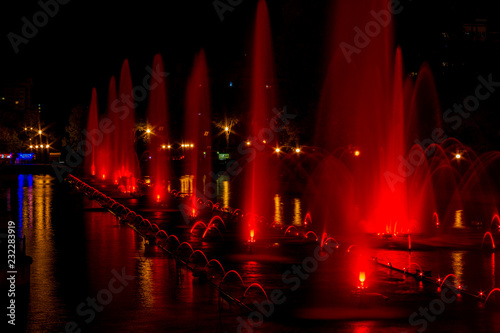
91, 273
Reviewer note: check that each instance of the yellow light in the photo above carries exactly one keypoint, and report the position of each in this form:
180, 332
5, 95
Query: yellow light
226, 129
36, 146
264, 141
40, 132
357, 153
248, 143
163, 146
47, 146
277, 150
182, 145
192, 145
297, 150
458, 156
31, 147
148, 131
169, 146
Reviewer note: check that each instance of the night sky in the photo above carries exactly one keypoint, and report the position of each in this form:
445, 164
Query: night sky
86, 42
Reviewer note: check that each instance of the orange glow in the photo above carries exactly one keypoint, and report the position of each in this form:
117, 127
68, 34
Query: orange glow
458, 156
148, 131
297, 150
252, 236
362, 277
164, 146
277, 150
158, 198
103, 177
248, 143
357, 153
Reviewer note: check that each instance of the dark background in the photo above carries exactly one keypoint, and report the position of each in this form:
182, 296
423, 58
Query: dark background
87, 41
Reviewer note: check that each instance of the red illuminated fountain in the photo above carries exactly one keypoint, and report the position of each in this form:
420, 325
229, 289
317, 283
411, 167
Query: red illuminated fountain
260, 177
197, 143
398, 167
106, 154
127, 169
159, 144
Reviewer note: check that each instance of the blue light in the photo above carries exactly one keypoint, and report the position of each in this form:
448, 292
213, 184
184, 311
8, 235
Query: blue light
28, 156
230, 84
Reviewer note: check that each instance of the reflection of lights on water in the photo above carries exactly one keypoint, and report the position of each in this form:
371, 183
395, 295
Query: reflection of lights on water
459, 222
457, 264
278, 209
187, 184
297, 212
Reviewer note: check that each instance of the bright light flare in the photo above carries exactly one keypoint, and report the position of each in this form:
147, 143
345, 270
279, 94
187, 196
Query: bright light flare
252, 236
297, 150
148, 131
357, 153
458, 156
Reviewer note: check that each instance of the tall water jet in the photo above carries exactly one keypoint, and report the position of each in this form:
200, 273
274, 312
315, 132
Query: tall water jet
260, 175
92, 145
128, 164
107, 154
159, 144
363, 105
197, 124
